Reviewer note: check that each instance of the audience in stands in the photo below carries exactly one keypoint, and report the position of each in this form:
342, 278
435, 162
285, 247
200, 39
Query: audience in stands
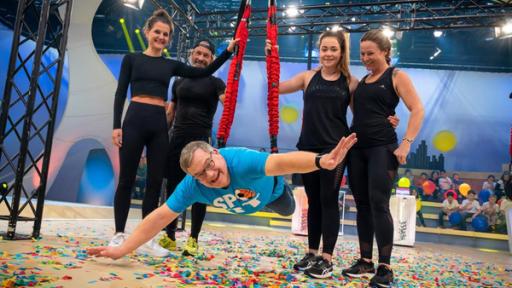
500, 185
506, 201
434, 177
449, 206
408, 175
444, 184
469, 208
414, 192
494, 209
418, 182
456, 181
490, 209
490, 183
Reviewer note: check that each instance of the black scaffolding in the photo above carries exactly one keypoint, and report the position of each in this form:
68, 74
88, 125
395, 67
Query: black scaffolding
29, 109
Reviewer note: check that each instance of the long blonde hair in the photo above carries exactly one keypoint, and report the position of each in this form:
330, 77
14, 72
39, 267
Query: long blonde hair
344, 42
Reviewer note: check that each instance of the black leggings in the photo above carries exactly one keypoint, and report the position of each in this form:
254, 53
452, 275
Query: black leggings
371, 172
174, 177
323, 188
144, 125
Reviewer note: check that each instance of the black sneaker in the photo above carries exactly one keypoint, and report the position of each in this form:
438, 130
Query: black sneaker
360, 269
383, 278
305, 262
321, 269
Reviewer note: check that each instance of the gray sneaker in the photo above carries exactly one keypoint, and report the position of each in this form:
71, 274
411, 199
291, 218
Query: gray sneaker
306, 262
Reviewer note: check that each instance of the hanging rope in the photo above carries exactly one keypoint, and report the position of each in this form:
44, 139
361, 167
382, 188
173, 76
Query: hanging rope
235, 70
273, 70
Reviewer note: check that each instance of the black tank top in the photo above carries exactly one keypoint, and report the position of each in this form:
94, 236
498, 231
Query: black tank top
373, 104
324, 119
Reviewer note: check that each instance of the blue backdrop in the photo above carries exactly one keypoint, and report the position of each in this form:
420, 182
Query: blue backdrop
471, 109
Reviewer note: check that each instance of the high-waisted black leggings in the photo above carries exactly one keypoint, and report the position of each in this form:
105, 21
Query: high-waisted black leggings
144, 125
322, 188
174, 177
371, 172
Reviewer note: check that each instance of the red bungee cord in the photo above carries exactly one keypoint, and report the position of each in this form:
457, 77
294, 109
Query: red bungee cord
235, 69
273, 70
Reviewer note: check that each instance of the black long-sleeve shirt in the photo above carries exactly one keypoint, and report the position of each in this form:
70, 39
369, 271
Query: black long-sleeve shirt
149, 75
196, 102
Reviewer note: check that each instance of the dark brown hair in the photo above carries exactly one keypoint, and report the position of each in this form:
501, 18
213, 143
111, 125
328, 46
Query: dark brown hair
382, 41
159, 15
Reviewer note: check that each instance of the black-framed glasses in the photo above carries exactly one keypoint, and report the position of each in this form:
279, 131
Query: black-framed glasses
209, 165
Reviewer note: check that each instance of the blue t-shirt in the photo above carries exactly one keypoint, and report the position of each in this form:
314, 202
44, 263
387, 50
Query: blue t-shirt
249, 189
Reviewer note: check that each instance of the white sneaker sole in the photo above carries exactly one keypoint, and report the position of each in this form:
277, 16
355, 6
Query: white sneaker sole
145, 251
323, 276
303, 269
381, 285
152, 254
364, 275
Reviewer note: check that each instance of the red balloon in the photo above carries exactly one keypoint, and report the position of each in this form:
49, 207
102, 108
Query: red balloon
450, 191
428, 187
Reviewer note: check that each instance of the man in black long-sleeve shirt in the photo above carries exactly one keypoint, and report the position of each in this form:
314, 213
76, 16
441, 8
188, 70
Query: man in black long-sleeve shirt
191, 111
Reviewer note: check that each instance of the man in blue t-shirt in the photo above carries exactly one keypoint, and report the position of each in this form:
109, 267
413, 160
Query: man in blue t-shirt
237, 179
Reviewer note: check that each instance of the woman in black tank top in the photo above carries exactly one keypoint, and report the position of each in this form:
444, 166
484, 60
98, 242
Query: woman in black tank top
326, 98
373, 161
327, 94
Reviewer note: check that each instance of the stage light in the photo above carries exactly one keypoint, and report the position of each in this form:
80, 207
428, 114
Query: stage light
4, 188
166, 52
438, 33
507, 28
135, 4
336, 28
139, 37
438, 51
387, 31
504, 31
292, 29
127, 35
291, 11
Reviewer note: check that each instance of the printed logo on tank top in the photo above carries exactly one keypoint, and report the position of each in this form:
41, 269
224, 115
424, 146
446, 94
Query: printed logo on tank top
327, 91
244, 197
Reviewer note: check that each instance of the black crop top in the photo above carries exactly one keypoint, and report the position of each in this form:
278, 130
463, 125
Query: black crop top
149, 75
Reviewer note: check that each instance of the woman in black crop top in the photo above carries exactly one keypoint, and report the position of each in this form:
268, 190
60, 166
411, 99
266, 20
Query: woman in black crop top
148, 75
327, 94
373, 161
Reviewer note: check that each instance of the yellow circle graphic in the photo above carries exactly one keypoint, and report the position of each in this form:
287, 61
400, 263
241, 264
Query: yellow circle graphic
289, 114
444, 141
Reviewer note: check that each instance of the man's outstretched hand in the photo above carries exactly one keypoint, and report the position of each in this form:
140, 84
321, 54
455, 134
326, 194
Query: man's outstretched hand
331, 160
105, 251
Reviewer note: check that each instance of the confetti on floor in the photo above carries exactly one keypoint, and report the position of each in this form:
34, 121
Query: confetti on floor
234, 256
